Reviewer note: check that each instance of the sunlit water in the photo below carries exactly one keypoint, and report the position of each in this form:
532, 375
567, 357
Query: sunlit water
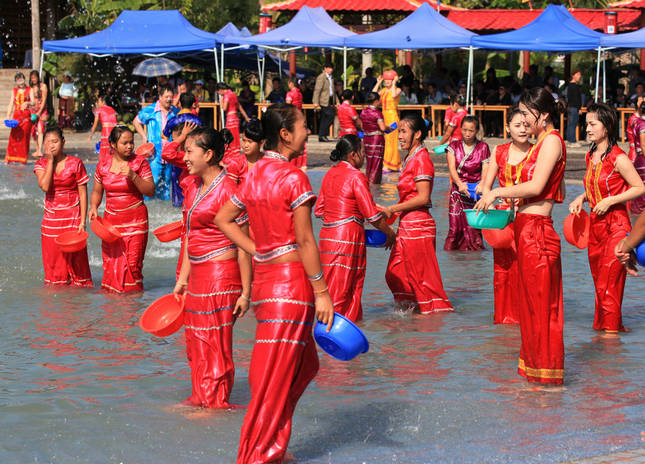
80, 382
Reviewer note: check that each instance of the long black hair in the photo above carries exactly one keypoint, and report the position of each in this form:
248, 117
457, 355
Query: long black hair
277, 117
609, 118
417, 123
539, 99
347, 144
253, 130
208, 138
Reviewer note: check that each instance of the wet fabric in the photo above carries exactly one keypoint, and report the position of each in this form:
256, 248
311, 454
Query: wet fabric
213, 289
344, 203
630, 136
541, 309
412, 272
505, 274
63, 214
346, 117
237, 166
469, 168
602, 180
553, 188
125, 210
273, 189
284, 359
107, 117
637, 206
455, 122
374, 144
229, 101
18, 147
294, 96
154, 119
390, 107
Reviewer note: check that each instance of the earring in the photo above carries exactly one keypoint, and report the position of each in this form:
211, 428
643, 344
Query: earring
544, 123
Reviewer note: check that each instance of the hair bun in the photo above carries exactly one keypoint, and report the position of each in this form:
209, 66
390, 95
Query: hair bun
227, 136
335, 155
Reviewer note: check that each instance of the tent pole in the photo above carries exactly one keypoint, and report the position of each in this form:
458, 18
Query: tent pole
469, 79
604, 77
260, 77
344, 67
280, 65
264, 61
221, 69
597, 75
40, 66
216, 62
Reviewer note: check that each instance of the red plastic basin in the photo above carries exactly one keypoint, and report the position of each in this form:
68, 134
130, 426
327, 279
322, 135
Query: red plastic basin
104, 230
576, 229
164, 316
389, 75
71, 241
169, 232
500, 238
146, 149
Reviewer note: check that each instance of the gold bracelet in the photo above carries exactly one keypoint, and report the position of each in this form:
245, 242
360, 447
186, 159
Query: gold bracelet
321, 291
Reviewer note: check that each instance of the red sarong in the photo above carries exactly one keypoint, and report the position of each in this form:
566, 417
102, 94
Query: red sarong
506, 285
283, 362
213, 289
342, 255
63, 268
18, 147
123, 258
608, 273
541, 312
413, 272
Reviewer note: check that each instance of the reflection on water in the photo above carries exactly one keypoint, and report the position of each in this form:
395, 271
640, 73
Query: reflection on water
82, 383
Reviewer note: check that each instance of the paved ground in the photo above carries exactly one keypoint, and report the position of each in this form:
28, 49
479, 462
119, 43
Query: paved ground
318, 153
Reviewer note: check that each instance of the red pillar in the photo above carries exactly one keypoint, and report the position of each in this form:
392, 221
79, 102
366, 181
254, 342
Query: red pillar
527, 61
408, 58
292, 63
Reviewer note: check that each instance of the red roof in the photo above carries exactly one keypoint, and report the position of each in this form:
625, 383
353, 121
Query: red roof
628, 4
354, 5
504, 20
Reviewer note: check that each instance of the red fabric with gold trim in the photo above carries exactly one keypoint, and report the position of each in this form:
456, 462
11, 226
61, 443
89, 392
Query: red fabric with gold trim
413, 271
346, 116
343, 204
284, 359
18, 147
125, 210
63, 214
541, 309
553, 188
237, 166
213, 289
602, 179
630, 136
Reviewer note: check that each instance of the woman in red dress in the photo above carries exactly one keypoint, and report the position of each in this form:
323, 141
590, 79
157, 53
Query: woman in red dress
503, 165
611, 181
294, 97
231, 108
214, 277
630, 129
348, 119
540, 186
64, 180
18, 147
289, 288
38, 97
344, 203
106, 115
125, 178
413, 272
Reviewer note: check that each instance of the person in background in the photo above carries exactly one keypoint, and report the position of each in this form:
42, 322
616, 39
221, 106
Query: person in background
247, 100
67, 93
433, 95
38, 105
277, 94
412, 272
199, 91
407, 97
289, 289
325, 101
620, 99
18, 109
611, 181
64, 180
348, 118
639, 93
105, 115
374, 140
467, 164
638, 136
294, 97
125, 178
574, 102
390, 97
155, 117
624, 250
630, 131
550, 77
504, 164
456, 115
344, 203
367, 83
215, 277
211, 88
231, 108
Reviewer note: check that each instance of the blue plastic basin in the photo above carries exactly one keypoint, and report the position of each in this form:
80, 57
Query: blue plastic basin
493, 219
344, 341
375, 238
97, 147
440, 149
472, 187
11, 123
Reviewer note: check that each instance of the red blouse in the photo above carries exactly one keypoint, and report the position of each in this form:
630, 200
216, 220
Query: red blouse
231, 101
205, 240
120, 192
417, 166
63, 191
345, 196
346, 117
602, 179
294, 96
237, 166
630, 126
553, 188
273, 189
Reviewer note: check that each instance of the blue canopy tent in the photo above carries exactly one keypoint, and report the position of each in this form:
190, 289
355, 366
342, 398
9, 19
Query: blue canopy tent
310, 27
555, 30
425, 28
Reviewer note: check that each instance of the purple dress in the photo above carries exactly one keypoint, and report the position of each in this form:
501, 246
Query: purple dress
469, 167
374, 143
637, 206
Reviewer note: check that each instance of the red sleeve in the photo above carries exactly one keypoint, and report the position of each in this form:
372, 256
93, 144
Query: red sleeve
454, 121
81, 174
41, 164
364, 198
486, 156
299, 189
171, 154
235, 168
319, 210
98, 174
353, 113
422, 167
143, 169
239, 197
